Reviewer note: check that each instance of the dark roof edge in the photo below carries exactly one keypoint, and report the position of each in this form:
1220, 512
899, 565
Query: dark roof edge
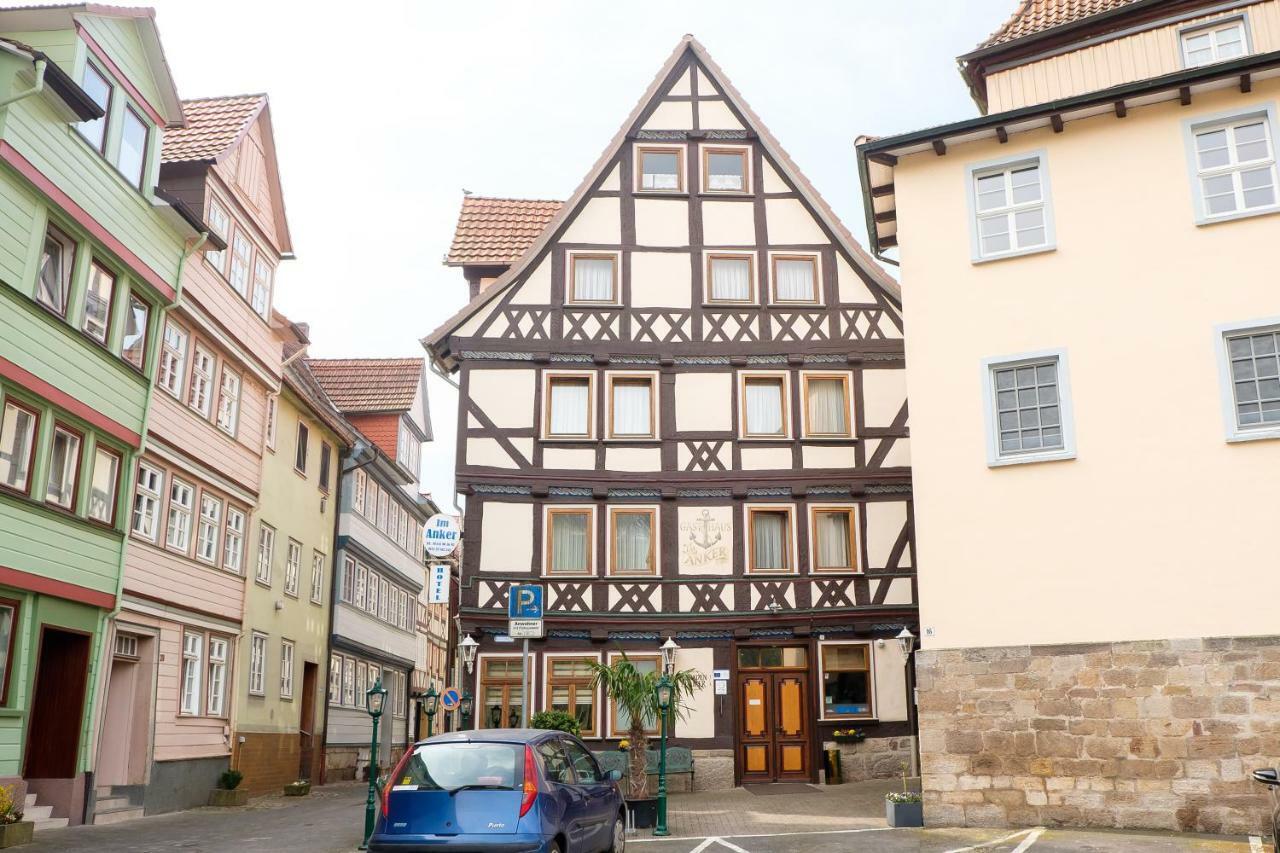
1051, 32
191, 217
68, 90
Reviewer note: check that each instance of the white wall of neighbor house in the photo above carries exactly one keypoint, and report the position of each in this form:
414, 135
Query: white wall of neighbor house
1160, 527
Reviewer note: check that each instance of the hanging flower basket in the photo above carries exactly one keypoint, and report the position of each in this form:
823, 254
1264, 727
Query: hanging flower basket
848, 735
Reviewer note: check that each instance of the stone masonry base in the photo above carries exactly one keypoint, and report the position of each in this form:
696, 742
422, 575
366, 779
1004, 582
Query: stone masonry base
873, 758
1153, 735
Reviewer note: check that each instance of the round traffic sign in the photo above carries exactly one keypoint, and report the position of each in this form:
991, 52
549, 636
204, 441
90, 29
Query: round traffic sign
450, 698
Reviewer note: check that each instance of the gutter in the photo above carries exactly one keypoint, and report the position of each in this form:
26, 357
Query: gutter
57, 80
41, 65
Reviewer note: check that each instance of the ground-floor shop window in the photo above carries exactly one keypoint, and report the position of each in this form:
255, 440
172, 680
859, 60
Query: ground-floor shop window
501, 693
846, 680
569, 690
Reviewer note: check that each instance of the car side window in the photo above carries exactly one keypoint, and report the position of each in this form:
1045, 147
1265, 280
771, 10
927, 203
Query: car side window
584, 763
554, 764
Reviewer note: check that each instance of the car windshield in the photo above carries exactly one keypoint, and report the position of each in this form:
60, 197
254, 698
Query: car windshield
449, 766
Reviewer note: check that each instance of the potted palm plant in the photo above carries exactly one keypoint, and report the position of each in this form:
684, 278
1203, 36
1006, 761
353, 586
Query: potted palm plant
633, 692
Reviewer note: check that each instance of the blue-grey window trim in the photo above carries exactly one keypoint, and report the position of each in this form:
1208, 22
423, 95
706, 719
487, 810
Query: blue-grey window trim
1265, 110
1226, 386
1242, 16
971, 170
1065, 406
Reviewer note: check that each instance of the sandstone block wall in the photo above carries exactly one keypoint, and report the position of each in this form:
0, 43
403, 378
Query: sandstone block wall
873, 758
1159, 734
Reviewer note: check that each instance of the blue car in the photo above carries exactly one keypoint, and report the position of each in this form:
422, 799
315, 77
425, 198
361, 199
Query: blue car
503, 790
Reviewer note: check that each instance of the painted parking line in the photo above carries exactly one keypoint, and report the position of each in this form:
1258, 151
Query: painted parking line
1031, 836
707, 841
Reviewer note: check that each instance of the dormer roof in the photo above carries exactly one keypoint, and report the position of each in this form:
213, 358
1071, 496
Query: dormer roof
1035, 16
497, 231
214, 126
369, 385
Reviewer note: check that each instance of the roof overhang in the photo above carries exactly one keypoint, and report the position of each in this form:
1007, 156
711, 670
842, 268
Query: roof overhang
72, 98
878, 157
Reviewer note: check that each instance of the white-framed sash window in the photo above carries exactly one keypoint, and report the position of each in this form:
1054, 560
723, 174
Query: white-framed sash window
1233, 162
1010, 208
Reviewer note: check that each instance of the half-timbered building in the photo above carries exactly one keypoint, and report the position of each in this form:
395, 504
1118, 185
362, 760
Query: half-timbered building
682, 411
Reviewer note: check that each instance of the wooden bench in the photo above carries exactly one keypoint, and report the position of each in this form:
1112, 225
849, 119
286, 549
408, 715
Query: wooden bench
679, 763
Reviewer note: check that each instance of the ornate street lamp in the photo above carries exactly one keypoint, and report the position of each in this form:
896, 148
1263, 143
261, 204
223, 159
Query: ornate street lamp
663, 693
374, 700
464, 707
468, 648
907, 641
669, 649
432, 701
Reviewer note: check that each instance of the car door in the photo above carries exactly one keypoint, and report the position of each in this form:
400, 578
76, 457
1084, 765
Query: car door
562, 782
598, 792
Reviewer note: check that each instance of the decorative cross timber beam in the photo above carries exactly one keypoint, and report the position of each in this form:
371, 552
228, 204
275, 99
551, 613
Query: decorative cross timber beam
786, 326
608, 325
704, 456
716, 330
570, 596
707, 597
677, 326
497, 592
634, 598
834, 594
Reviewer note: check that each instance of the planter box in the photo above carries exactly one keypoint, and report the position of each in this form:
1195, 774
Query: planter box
847, 739
223, 797
13, 834
904, 814
643, 812
297, 790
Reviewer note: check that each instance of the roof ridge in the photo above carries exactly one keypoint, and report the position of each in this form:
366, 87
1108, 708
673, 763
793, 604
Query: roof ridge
237, 97
511, 198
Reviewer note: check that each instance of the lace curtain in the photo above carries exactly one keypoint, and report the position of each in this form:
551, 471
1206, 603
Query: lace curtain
731, 279
632, 540
794, 280
828, 414
569, 542
764, 407
769, 536
833, 540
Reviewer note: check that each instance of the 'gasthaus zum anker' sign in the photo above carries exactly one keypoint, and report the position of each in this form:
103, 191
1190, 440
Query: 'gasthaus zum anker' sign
441, 535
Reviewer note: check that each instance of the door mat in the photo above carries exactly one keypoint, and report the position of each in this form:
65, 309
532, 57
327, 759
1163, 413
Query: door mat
780, 788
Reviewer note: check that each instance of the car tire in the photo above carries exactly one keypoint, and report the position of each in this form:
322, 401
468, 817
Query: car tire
555, 847
619, 842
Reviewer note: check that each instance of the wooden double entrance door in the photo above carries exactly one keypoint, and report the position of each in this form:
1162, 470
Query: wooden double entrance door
774, 726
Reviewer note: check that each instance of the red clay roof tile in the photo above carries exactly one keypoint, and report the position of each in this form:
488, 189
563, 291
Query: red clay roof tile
358, 385
213, 124
1036, 16
498, 230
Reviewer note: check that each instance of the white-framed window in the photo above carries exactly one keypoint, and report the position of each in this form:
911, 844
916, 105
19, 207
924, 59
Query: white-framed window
146, 502
633, 410
241, 253
731, 278
173, 359
1249, 370
131, 156
273, 413
335, 679
181, 501
199, 395
261, 285
229, 401
357, 490
1028, 408
317, 577
1216, 42
208, 528
846, 673
292, 564
348, 681
407, 446
266, 546
233, 541
286, 669
216, 702
373, 593
220, 224
1010, 209
192, 669
764, 404
796, 278
384, 598
833, 538
371, 500
593, 278
362, 584
569, 404
1233, 164
384, 505
347, 592
569, 537
258, 664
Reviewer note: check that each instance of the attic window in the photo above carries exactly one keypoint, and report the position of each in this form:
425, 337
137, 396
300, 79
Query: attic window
593, 278
724, 170
1214, 43
98, 89
661, 169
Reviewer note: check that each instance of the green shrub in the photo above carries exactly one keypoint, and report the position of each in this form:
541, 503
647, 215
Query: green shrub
558, 720
230, 779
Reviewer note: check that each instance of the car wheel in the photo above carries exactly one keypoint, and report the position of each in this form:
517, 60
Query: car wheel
555, 847
619, 836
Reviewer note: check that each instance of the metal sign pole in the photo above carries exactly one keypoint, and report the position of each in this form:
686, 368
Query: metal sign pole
524, 686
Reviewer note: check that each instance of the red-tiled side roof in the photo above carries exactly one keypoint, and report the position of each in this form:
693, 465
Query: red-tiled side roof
369, 384
498, 230
213, 125
1036, 16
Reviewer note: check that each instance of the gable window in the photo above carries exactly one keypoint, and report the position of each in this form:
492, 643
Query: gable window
569, 406
1213, 43
241, 253
1235, 167
795, 278
569, 541
229, 401
631, 410
217, 700
1249, 360
764, 406
661, 169
724, 170
593, 279
266, 545
134, 347
407, 446
132, 157
57, 259
769, 539
1009, 204
570, 691
233, 541
199, 396
826, 405
317, 577
64, 468
104, 485
97, 302
258, 664
17, 443
220, 224
286, 669
261, 285
207, 528
95, 85
192, 667
173, 357
146, 502
293, 559
1029, 409
300, 449
846, 680
178, 531
632, 538
731, 278
501, 692
835, 539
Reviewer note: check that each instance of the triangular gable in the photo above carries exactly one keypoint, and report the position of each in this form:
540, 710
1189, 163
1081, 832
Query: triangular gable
264, 191
675, 79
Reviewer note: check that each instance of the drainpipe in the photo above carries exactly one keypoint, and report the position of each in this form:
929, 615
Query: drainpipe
41, 64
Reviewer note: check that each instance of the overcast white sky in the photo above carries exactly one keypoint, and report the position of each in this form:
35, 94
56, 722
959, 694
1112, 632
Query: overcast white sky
384, 112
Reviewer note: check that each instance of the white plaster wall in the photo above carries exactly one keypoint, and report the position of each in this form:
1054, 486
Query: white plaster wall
828, 456
681, 86
883, 393
671, 115
633, 459
884, 524
488, 452
773, 182
506, 537
569, 458
716, 115
704, 402
504, 395
660, 280
765, 458
851, 288
662, 222
613, 180
536, 289
789, 223
728, 223
700, 720
598, 222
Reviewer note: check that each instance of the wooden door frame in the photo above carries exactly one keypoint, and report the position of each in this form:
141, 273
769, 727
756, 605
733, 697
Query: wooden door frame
809, 644
45, 627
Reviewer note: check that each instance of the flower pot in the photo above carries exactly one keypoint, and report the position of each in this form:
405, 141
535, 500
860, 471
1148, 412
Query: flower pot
297, 789
904, 814
234, 797
644, 812
13, 834
847, 739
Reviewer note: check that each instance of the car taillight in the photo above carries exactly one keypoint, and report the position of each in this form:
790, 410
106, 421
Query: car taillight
391, 781
530, 782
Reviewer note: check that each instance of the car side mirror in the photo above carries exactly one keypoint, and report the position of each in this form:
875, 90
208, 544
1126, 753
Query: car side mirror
613, 776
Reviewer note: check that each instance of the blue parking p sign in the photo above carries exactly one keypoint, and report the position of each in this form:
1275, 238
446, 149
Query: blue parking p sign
525, 602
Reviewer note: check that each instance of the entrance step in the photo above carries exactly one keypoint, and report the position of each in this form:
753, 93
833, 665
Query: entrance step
41, 816
50, 823
31, 800
37, 813
107, 804
118, 814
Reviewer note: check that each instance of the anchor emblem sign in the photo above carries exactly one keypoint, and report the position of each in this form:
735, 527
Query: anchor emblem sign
703, 538
706, 535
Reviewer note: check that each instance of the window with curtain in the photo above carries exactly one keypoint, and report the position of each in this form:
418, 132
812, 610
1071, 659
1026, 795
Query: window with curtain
64, 468
826, 400
633, 538
770, 544
731, 278
569, 406
660, 169
631, 407
833, 540
569, 690
57, 259
568, 541
17, 437
795, 279
619, 718
593, 278
134, 347
501, 693
97, 302
725, 170
846, 681
763, 406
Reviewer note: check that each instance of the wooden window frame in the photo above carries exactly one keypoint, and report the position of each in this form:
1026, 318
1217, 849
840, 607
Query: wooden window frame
140, 184
847, 380
549, 513
77, 470
871, 680
788, 547
570, 286
549, 682
855, 553
482, 667
70, 249
625, 377
654, 538
779, 375
114, 505
813, 258
681, 169
709, 292
549, 378
614, 731
742, 151
111, 304
14, 627
32, 445
301, 448
101, 147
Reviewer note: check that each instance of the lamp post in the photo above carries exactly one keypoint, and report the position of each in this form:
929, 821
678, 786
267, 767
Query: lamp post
662, 691
468, 647
433, 701
374, 698
464, 708
907, 642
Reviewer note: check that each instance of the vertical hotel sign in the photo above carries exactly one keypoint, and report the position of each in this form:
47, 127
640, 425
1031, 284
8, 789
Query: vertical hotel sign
438, 585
